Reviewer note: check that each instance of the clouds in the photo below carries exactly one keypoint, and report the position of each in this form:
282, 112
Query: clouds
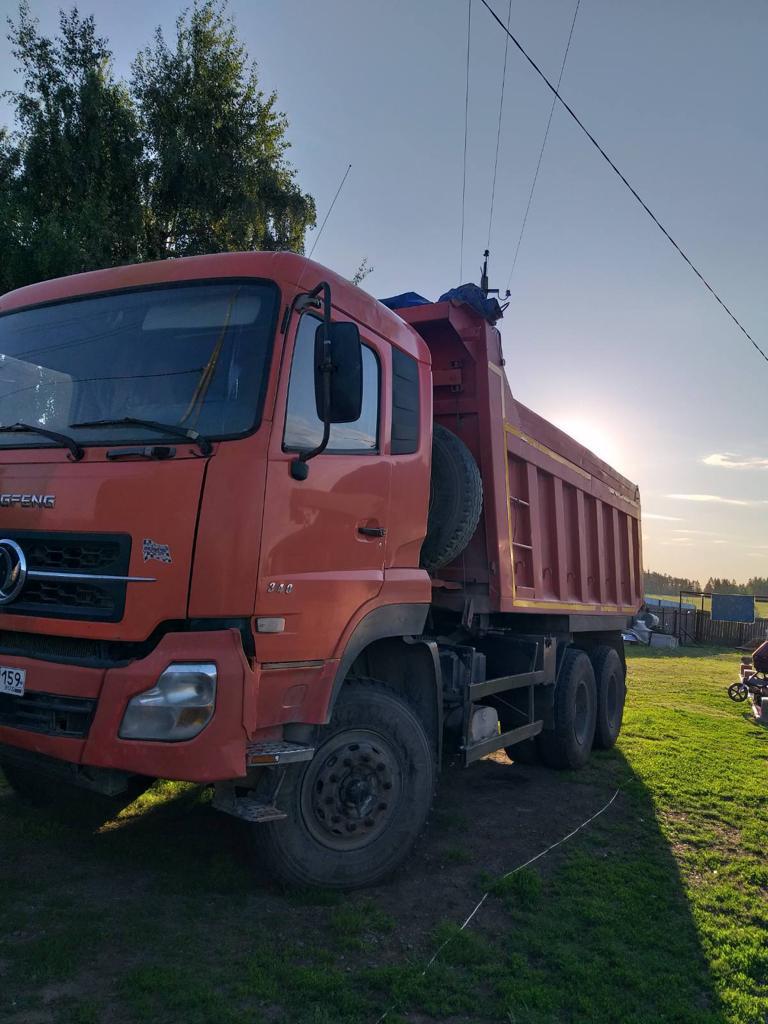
667, 519
714, 499
729, 460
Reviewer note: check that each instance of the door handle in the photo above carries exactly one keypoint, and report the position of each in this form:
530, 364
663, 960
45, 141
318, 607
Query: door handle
372, 531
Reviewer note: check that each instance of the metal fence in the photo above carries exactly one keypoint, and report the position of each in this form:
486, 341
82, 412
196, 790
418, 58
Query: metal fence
693, 626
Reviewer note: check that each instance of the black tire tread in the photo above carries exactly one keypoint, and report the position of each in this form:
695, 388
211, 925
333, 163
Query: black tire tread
554, 745
456, 500
600, 657
270, 839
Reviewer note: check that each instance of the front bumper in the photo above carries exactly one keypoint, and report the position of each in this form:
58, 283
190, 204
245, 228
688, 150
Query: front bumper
217, 753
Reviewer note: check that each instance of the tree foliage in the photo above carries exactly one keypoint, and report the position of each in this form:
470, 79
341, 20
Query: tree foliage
661, 584
70, 173
756, 586
189, 157
215, 173
363, 270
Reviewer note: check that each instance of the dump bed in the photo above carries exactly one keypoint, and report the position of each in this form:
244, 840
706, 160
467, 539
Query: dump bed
560, 531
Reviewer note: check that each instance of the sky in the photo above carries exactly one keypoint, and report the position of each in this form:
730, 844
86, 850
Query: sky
608, 333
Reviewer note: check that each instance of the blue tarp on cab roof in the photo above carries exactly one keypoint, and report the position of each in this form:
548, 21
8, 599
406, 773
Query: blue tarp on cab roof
475, 297
472, 294
404, 300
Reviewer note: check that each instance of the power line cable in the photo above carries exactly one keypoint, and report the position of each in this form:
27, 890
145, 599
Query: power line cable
543, 145
330, 208
498, 130
466, 128
634, 192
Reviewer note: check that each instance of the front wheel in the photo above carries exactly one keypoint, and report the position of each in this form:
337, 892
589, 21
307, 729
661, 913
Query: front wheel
69, 802
355, 810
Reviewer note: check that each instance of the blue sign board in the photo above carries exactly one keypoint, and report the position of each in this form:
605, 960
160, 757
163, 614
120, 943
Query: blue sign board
732, 608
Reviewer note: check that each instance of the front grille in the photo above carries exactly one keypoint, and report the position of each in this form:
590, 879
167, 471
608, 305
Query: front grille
48, 713
61, 594
51, 552
88, 553
53, 648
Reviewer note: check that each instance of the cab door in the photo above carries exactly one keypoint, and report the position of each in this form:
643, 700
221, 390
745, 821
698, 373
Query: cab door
324, 538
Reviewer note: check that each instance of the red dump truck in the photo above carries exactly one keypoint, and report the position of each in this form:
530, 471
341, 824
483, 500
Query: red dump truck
260, 531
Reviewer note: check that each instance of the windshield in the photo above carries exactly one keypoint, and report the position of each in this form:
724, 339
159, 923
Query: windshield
195, 356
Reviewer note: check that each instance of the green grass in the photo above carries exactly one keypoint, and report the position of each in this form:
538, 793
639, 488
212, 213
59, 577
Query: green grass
656, 913
705, 603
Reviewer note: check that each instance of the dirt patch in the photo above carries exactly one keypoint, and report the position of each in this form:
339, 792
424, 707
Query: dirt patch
183, 873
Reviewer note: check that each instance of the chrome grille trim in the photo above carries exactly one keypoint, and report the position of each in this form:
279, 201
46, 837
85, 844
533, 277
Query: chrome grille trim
41, 574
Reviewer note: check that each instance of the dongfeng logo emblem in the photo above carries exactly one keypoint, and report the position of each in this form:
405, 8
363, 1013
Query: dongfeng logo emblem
13, 571
28, 500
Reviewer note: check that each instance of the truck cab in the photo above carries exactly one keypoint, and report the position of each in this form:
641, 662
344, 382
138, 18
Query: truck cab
206, 576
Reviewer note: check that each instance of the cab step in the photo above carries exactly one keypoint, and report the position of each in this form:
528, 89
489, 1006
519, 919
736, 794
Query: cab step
277, 752
245, 806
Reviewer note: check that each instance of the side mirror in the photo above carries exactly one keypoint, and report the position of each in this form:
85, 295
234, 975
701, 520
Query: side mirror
345, 385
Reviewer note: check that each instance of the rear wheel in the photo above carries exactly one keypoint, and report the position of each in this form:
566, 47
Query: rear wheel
611, 690
525, 752
569, 743
356, 809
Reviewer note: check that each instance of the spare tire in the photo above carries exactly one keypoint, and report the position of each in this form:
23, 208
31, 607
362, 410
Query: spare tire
455, 500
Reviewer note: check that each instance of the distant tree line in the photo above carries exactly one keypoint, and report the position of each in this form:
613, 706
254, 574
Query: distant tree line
187, 157
661, 584
757, 585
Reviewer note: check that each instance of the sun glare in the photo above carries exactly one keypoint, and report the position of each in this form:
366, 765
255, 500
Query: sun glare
595, 436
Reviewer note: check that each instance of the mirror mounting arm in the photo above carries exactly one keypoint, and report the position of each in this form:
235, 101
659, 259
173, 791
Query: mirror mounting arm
299, 467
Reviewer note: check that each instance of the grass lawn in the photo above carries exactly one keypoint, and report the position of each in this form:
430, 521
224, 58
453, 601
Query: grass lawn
705, 603
657, 912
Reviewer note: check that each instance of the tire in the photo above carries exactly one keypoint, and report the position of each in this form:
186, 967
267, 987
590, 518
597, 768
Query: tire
568, 745
344, 830
455, 500
525, 752
67, 801
28, 785
611, 691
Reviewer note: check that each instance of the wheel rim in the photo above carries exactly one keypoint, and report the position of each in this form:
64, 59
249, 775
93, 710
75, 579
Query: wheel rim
581, 713
351, 789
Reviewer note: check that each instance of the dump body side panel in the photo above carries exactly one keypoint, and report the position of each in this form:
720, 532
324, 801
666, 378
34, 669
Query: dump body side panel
560, 531
575, 540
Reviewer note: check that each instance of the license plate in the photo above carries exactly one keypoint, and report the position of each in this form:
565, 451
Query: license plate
12, 680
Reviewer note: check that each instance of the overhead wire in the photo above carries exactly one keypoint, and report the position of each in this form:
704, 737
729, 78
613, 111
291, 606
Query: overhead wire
498, 129
622, 177
466, 130
330, 209
543, 145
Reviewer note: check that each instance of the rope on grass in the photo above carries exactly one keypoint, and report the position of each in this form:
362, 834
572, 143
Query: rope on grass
509, 874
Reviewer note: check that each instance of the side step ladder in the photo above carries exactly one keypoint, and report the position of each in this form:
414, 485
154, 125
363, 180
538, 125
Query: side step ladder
543, 653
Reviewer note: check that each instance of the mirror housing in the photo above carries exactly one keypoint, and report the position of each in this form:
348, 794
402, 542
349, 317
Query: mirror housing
338, 373
338, 354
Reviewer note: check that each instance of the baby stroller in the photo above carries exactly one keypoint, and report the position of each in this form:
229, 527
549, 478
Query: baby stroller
753, 679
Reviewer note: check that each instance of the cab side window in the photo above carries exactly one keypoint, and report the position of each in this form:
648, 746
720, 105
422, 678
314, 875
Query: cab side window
405, 403
303, 429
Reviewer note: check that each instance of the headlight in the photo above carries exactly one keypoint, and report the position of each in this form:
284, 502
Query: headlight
178, 707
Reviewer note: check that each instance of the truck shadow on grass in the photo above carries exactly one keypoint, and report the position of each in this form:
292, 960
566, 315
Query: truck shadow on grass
159, 914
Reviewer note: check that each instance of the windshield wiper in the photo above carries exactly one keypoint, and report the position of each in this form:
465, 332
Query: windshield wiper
173, 429
52, 435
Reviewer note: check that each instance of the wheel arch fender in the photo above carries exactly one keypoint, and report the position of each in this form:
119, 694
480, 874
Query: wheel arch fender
387, 646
